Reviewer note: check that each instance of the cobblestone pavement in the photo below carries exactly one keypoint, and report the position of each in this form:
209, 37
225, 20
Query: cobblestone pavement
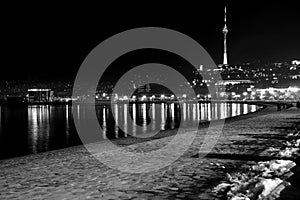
73, 173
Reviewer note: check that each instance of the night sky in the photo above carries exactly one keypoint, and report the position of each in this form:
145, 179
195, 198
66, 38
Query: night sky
50, 41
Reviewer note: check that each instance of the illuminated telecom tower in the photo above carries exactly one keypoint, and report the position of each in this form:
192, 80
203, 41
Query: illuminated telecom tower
225, 31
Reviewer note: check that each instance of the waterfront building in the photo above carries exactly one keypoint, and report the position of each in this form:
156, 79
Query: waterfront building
39, 95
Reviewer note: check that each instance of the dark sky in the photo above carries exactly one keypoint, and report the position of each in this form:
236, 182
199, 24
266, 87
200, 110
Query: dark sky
51, 40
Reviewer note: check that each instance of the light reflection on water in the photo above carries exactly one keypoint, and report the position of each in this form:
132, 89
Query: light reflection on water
33, 129
163, 116
38, 121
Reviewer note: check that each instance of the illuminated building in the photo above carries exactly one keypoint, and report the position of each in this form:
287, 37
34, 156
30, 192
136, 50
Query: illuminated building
234, 82
39, 95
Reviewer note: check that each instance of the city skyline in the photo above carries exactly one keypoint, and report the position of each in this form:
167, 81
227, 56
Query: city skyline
150, 100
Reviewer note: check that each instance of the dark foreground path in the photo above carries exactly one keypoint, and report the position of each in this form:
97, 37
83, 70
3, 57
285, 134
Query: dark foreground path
74, 174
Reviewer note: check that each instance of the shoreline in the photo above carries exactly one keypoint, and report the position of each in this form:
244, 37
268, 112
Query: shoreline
72, 173
166, 133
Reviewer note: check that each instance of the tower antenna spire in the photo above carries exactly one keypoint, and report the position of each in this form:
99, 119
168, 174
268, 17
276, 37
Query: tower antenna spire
225, 15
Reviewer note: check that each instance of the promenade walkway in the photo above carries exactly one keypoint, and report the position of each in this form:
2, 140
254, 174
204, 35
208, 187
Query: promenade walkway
73, 173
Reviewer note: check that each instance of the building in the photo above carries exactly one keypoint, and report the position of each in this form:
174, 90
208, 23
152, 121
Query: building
237, 87
287, 93
39, 95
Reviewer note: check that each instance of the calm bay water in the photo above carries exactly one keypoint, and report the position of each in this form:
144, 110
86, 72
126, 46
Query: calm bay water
33, 129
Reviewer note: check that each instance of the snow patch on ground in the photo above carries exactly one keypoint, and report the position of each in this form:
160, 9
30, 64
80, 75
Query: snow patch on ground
291, 150
269, 185
288, 152
259, 180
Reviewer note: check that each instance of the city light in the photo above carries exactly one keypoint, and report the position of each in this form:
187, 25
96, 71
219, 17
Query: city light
39, 90
296, 62
144, 98
293, 89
